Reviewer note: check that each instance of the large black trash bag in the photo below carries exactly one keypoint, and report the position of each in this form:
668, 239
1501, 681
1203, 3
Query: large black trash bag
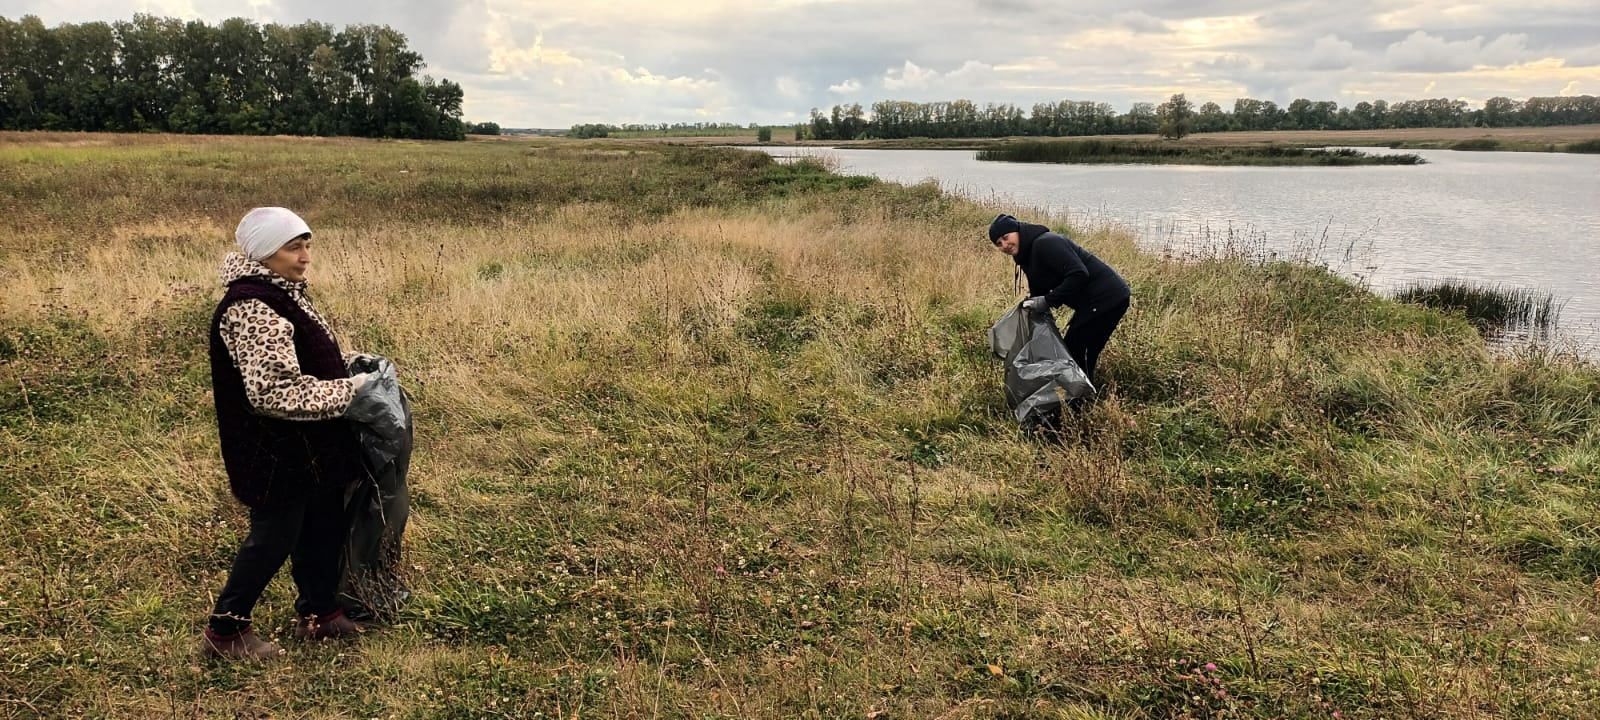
1040, 374
379, 504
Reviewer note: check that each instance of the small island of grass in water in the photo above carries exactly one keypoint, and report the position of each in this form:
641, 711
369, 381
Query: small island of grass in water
1103, 151
1501, 313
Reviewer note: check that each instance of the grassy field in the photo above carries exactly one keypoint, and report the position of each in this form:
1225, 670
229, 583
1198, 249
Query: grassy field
701, 435
1566, 138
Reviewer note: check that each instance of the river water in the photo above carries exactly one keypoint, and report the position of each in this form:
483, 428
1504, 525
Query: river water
1527, 220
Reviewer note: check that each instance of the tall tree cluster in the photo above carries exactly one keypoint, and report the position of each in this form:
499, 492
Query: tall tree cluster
237, 77
1177, 117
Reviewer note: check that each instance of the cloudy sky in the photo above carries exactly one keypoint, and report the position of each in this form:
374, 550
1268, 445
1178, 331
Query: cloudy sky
540, 63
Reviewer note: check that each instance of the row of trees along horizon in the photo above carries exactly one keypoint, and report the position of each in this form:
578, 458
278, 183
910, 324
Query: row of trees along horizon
1178, 117
166, 75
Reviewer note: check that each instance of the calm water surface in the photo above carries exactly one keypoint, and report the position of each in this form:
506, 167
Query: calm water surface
1521, 219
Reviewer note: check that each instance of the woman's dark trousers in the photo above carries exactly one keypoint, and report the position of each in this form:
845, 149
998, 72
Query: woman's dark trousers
1089, 330
311, 530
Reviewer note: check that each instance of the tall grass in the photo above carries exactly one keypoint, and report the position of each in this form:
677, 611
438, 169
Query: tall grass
704, 435
1115, 151
1493, 309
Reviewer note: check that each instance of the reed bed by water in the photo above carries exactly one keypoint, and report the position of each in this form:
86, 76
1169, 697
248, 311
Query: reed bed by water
1490, 144
1492, 308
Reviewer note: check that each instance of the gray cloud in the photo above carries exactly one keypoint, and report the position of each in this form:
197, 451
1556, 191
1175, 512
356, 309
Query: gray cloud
1331, 53
1429, 53
1140, 21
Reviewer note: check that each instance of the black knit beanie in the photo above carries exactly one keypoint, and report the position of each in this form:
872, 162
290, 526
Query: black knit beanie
1002, 224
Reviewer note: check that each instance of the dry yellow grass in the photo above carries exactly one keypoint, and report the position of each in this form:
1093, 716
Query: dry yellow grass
700, 435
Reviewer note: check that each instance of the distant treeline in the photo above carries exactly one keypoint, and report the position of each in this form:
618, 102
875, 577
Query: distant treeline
711, 129
963, 118
167, 75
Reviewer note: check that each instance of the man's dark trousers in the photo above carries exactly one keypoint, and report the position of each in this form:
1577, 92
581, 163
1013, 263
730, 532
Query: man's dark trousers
311, 529
1089, 330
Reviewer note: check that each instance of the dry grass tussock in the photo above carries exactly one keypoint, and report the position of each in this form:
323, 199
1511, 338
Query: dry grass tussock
703, 435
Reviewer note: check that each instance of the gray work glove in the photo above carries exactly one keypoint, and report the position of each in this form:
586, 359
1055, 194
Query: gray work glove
1036, 304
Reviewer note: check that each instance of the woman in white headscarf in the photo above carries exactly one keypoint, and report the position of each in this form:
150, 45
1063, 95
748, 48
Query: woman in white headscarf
281, 386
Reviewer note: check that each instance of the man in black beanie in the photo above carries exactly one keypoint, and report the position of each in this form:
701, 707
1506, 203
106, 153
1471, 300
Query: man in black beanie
1062, 273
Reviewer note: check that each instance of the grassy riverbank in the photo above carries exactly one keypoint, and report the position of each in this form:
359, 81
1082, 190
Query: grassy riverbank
701, 435
1157, 153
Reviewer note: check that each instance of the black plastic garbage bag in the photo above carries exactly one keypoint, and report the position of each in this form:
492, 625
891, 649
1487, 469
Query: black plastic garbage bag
1040, 374
378, 504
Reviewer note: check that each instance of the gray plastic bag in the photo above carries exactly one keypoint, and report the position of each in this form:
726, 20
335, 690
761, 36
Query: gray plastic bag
379, 504
1040, 374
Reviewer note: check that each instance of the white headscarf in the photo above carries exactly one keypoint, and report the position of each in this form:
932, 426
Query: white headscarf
265, 229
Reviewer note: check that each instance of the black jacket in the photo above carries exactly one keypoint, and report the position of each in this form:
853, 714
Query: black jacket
1065, 273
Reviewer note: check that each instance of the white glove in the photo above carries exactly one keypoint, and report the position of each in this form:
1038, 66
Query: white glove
357, 381
1036, 304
